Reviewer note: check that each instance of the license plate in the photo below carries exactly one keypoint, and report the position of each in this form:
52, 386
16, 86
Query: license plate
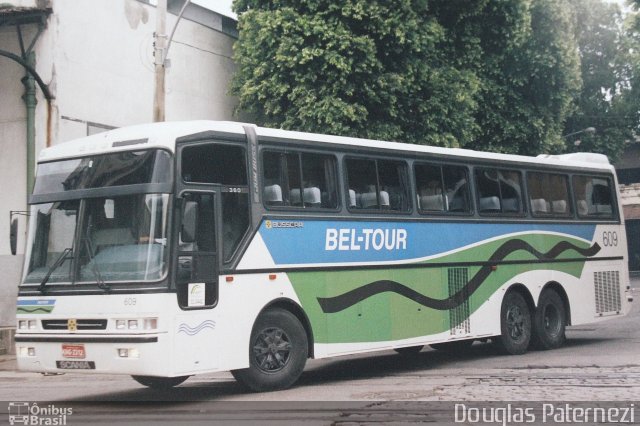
73, 351
76, 365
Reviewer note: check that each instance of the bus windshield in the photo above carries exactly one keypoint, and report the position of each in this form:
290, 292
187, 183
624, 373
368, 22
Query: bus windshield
100, 171
100, 219
121, 238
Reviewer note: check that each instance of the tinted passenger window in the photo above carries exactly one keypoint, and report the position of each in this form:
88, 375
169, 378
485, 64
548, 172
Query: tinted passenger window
594, 197
222, 164
442, 188
377, 185
214, 163
299, 180
549, 194
499, 191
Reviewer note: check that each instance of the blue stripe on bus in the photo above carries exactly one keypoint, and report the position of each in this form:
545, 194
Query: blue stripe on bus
47, 302
316, 242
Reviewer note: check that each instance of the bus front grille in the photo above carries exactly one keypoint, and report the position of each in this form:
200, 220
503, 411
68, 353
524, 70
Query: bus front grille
81, 324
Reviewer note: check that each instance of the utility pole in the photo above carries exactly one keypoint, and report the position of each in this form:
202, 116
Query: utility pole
160, 38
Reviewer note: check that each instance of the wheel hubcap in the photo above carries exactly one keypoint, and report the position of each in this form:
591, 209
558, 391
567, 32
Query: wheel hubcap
551, 320
515, 323
272, 350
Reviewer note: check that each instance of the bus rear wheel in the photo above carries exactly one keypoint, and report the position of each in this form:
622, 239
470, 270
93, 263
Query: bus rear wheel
278, 351
515, 324
549, 322
159, 382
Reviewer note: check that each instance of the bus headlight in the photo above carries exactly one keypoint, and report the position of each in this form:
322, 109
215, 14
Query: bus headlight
147, 324
128, 353
25, 351
150, 323
27, 324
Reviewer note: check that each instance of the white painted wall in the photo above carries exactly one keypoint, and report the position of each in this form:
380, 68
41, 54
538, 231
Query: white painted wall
630, 194
13, 185
96, 57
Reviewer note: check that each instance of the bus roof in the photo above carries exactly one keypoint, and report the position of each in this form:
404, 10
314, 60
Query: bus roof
164, 135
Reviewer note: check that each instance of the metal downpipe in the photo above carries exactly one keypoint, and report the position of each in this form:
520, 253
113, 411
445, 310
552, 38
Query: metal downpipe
30, 101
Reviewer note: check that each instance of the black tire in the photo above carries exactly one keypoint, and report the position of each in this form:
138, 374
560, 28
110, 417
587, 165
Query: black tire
549, 322
159, 382
515, 324
409, 350
456, 347
278, 351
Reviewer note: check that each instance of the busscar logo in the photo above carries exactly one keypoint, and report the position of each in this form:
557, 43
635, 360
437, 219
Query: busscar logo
272, 224
26, 413
72, 324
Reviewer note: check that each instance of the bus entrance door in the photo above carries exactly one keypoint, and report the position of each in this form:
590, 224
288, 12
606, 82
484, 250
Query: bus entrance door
197, 257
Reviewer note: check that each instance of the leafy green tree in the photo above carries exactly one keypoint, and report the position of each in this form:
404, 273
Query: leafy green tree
604, 102
497, 75
524, 54
363, 68
630, 58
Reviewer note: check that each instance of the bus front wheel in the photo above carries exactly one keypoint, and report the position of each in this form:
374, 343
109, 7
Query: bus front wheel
278, 351
159, 382
549, 321
515, 324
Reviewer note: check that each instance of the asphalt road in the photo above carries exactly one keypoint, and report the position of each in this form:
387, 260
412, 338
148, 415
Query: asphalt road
599, 362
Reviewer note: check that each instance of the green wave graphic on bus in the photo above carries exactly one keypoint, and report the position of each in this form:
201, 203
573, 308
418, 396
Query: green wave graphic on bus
422, 298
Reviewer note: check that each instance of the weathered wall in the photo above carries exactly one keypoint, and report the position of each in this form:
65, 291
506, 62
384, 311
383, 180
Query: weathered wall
96, 57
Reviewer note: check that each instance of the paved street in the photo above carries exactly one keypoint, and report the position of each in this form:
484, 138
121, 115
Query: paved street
599, 363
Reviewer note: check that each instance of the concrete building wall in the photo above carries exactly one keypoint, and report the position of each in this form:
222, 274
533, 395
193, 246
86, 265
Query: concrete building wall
108, 78
97, 58
13, 171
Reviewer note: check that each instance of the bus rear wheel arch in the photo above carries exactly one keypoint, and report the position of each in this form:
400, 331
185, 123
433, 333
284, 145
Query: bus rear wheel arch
278, 351
549, 321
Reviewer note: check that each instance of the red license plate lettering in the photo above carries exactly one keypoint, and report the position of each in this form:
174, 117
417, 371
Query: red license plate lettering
73, 351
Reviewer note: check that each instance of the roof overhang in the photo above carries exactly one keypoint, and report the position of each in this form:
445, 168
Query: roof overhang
19, 13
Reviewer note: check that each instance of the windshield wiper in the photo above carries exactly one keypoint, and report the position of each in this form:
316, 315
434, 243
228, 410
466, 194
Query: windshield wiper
94, 266
59, 261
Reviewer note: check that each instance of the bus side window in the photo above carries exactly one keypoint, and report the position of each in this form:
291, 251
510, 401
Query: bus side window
499, 191
319, 178
394, 181
363, 182
442, 188
548, 194
488, 191
429, 185
510, 191
377, 185
593, 196
456, 185
235, 221
301, 180
214, 163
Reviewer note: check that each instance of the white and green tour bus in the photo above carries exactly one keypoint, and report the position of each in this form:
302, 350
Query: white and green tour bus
167, 250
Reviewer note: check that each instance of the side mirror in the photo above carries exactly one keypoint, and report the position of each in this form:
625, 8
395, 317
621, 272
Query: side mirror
13, 235
189, 222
